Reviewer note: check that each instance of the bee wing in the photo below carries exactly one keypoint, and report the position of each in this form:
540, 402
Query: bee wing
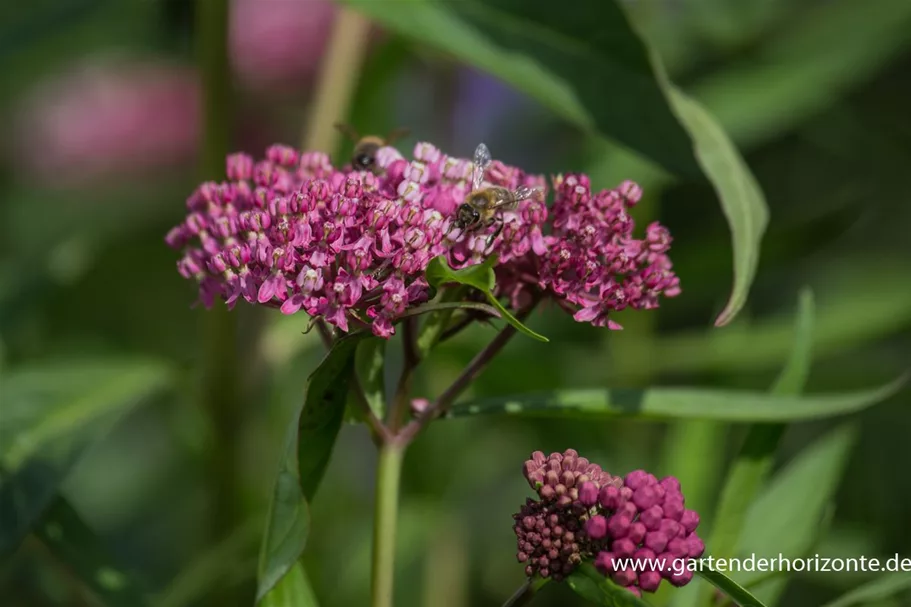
347, 130
524, 192
481, 162
397, 134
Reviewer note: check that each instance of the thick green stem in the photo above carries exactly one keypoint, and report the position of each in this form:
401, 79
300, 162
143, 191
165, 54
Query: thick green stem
389, 469
222, 383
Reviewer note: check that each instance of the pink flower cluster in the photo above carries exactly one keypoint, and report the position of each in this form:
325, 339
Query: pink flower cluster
593, 262
293, 232
637, 530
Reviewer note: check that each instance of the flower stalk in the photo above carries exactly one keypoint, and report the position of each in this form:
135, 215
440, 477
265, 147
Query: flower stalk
221, 382
389, 469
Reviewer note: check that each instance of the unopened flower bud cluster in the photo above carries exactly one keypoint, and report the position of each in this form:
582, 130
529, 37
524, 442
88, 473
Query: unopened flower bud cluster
584, 513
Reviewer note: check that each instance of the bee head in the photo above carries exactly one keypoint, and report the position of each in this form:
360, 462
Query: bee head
467, 215
364, 157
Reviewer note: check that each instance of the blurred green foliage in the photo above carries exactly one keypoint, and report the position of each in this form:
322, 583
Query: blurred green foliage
100, 348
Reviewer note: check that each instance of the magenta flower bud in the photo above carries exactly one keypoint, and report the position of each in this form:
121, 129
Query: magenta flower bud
673, 508
604, 562
637, 532
619, 524
689, 520
682, 578
631, 192
624, 577
588, 494
670, 484
552, 478
610, 498
623, 548
656, 540
649, 581
652, 517
645, 497
282, 155
596, 527
678, 547
636, 479
666, 562
696, 547
671, 528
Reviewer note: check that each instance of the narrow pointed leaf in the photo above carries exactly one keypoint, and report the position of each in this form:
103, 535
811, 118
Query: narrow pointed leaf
557, 58
678, 403
293, 590
482, 278
324, 408
592, 586
52, 414
786, 518
452, 305
737, 593
754, 462
78, 547
742, 200
287, 525
369, 365
880, 589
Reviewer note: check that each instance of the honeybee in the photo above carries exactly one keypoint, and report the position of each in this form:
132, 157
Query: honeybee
482, 207
365, 148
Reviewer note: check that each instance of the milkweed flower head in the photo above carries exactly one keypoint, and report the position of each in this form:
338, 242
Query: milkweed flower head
294, 232
635, 529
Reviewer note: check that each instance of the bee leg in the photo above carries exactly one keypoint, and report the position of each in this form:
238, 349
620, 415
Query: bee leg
493, 237
376, 274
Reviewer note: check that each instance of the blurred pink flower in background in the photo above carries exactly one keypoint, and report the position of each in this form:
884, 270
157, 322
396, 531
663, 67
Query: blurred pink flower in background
105, 117
277, 44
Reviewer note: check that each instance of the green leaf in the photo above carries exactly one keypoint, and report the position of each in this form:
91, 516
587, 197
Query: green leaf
77, 546
307, 452
785, 519
566, 65
806, 66
432, 329
481, 277
288, 523
592, 586
735, 591
793, 376
324, 408
852, 289
429, 308
293, 591
754, 462
741, 197
884, 587
527, 590
557, 58
224, 565
51, 415
678, 403
369, 362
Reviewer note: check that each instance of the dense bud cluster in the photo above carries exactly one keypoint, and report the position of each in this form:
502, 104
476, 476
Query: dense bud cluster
637, 530
550, 540
559, 476
293, 232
